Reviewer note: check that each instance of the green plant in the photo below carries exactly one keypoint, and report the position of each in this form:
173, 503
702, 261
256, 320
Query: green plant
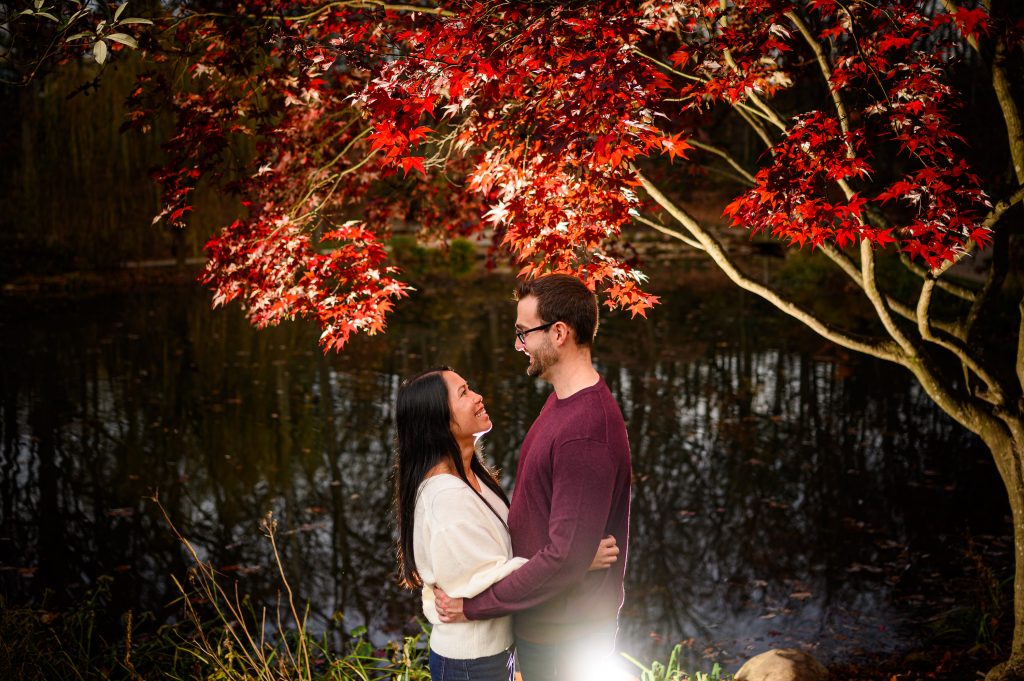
672, 671
406, 661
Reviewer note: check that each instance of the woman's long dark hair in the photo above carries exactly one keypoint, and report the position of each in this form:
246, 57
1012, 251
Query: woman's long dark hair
424, 437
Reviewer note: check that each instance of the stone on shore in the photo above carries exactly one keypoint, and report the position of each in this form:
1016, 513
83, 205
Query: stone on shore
785, 664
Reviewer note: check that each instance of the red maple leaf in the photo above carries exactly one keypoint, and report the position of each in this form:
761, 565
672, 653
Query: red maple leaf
416, 162
675, 145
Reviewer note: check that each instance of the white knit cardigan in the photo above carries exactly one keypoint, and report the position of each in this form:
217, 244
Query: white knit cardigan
460, 545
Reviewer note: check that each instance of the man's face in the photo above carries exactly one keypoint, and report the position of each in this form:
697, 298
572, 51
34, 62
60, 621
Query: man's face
537, 346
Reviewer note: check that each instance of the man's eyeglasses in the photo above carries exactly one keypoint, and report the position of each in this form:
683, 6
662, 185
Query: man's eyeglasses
521, 335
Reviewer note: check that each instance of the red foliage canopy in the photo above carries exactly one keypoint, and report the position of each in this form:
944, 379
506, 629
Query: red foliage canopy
530, 121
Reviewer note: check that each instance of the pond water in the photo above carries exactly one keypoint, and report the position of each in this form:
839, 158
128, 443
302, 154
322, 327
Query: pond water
786, 493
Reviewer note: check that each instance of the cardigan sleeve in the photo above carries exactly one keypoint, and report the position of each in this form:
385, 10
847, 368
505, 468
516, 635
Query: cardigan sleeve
467, 558
468, 546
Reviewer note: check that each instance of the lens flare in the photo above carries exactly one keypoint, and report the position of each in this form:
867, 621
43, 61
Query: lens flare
599, 665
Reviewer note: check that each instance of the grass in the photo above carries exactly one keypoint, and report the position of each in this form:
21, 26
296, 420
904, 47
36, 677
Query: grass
79, 642
239, 644
222, 636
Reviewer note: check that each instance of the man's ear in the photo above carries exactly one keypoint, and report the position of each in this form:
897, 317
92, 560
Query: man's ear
563, 332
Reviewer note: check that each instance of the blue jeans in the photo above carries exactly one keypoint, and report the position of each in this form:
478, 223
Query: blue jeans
491, 668
582, 659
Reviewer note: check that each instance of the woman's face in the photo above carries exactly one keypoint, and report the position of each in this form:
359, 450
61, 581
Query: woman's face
469, 418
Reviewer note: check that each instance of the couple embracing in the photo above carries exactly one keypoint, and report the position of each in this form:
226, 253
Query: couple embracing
538, 581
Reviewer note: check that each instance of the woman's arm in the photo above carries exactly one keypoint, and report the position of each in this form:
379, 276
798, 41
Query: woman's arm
449, 607
467, 558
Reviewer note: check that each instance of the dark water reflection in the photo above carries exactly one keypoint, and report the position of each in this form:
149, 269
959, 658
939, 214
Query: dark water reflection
786, 493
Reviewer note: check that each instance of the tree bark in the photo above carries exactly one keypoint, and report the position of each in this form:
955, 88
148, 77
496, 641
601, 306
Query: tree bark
1006, 442
1008, 450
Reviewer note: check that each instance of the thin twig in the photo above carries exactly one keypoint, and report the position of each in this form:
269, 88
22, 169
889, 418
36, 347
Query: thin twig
271, 528
744, 111
726, 156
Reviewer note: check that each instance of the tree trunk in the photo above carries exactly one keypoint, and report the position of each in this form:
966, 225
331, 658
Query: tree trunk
1006, 441
1003, 432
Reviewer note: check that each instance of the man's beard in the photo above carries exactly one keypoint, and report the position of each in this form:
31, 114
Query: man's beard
541, 361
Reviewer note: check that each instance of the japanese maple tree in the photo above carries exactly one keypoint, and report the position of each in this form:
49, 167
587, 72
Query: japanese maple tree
552, 127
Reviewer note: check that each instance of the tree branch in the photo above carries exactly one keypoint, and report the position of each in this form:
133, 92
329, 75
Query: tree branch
758, 128
878, 220
881, 349
867, 273
1020, 345
963, 412
313, 189
952, 288
994, 393
337, 180
391, 7
1002, 206
766, 111
657, 226
761, 108
869, 283
276, 18
847, 265
665, 66
769, 113
868, 280
826, 71
745, 111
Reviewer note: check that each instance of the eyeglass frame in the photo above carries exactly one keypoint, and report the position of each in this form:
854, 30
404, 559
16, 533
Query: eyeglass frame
521, 335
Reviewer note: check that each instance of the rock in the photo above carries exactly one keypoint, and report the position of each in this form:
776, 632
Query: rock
785, 664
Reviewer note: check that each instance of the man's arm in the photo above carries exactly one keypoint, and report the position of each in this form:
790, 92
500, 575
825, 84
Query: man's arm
449, 609
583, 478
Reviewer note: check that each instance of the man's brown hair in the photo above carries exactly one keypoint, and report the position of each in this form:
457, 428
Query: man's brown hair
563, 298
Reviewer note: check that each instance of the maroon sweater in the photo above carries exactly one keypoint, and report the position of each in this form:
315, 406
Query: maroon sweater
572, 489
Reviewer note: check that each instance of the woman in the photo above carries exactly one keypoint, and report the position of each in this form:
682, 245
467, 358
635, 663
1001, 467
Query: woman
452, 522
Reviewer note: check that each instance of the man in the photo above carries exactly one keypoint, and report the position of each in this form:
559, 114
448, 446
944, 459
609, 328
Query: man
572, 488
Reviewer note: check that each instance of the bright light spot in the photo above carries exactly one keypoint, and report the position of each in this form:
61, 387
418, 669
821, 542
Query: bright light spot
601, 666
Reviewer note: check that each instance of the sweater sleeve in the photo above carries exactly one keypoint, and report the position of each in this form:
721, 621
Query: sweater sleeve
583, 478
468, 559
